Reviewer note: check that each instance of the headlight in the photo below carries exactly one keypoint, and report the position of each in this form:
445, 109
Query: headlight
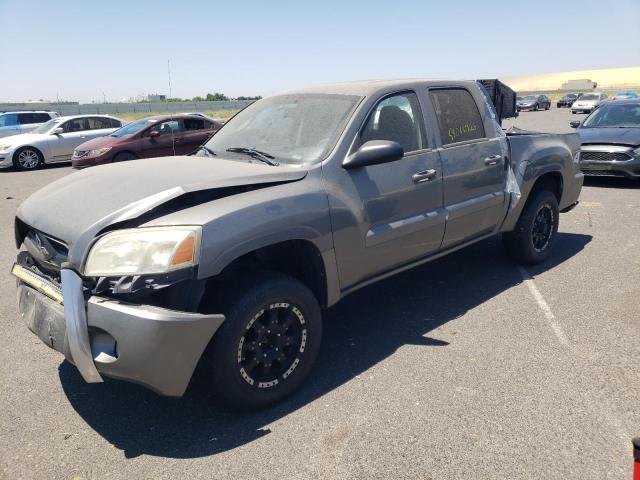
95, 153
5, 147
141, 251
636, 152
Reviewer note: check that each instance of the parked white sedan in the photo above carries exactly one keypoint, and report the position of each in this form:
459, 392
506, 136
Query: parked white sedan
54, 141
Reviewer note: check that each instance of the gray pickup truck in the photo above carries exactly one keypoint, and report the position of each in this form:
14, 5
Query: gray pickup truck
142, 270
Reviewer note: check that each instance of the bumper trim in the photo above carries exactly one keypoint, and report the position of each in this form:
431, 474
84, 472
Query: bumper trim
76, 322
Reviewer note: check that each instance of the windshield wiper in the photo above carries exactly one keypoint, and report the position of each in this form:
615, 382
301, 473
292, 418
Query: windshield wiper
207, 150
257, 154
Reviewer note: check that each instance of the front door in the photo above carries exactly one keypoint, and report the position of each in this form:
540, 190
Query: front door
74, 132
390, 214
162, 143
473, 167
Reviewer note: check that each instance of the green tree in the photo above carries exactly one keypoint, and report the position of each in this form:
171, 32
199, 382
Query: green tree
216, 97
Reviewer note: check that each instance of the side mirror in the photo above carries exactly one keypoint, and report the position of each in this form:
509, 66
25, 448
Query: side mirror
374, 152
154, 133
574, 124
57, 131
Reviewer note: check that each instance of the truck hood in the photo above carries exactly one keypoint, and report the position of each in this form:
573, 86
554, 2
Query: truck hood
75, 208
614, 136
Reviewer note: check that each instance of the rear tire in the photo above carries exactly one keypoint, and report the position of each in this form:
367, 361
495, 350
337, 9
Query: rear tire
267, 344
535, 232
27, 158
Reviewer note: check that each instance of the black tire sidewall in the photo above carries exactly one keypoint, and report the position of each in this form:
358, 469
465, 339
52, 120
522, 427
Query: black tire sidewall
119, 157
230, 388
16, 163
519, 243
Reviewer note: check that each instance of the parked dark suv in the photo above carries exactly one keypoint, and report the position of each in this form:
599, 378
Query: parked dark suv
568, 100
149, 137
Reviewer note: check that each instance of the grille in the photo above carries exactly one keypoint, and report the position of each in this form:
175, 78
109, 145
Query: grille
48, 253
605, 156
604, 173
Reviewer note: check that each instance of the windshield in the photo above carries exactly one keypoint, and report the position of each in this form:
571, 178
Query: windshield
133, 127
528, 98
45, 127
589, 96
612, 115
297, 129
570, 96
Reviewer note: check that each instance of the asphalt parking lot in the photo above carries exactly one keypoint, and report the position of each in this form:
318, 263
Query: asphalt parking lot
468, 367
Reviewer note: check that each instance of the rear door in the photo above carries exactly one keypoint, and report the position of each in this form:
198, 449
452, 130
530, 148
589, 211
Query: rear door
195, 134
472, 164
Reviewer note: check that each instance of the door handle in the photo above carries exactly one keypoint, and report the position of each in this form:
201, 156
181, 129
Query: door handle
492, 160
424, 176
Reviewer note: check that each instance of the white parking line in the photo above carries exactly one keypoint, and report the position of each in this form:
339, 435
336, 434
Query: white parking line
548, 314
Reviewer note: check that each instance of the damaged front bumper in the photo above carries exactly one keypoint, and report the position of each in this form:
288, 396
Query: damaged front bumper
155, 347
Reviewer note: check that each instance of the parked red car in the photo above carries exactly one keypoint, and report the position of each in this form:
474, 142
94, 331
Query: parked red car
160, 136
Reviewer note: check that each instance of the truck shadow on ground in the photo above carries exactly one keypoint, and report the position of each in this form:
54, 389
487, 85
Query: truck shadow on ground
362, 330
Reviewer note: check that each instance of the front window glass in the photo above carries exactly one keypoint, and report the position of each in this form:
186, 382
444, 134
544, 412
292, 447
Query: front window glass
75, 125
296, 129
398, 119
8, 120
614, 115
165, 128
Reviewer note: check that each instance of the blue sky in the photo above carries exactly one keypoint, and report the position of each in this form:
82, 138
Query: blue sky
79, 50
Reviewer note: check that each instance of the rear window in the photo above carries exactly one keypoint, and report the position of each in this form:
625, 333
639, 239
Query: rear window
458, 117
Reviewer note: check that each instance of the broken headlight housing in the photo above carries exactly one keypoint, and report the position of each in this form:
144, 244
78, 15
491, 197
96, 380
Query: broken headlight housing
144, 251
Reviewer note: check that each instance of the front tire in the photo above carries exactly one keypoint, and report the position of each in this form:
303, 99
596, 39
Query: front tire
535, 232
267, 344
27, 158
124, 156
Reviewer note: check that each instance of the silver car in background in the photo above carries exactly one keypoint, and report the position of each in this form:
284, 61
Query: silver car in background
15, 123
54, 141
588, 102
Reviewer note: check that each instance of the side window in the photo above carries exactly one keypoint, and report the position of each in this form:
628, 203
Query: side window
75, 125
26, 118
41, 117
166, 128
397, 118
97, 123
191, 124
458, 117
114, 123
8, 120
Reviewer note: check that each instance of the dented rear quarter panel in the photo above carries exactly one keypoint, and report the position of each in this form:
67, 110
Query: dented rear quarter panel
533, 156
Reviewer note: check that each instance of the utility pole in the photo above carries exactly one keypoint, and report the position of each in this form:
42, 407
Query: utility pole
169, 75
